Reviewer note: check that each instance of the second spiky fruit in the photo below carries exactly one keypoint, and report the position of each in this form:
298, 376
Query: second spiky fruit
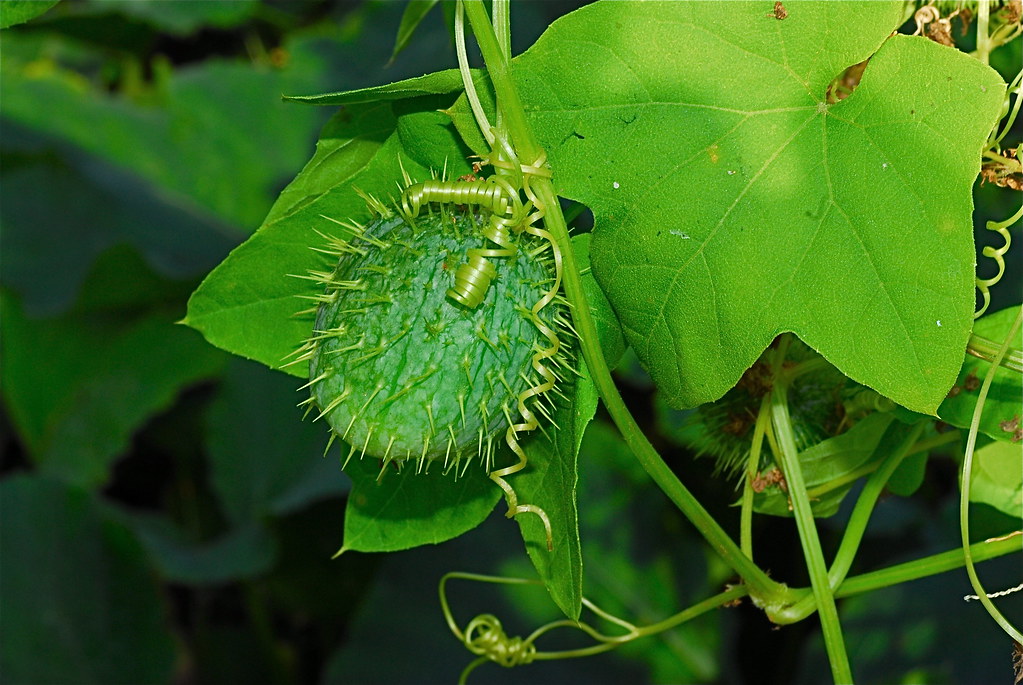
403, 372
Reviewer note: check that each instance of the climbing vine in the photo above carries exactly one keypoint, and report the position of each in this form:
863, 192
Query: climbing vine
782, 238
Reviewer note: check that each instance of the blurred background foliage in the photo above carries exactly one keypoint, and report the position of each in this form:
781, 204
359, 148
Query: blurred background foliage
167, 516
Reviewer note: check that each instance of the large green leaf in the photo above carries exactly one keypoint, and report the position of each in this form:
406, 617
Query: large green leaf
609, 331
78, 386
1002, 415
248, 304
80, 604
263, 458
734, 202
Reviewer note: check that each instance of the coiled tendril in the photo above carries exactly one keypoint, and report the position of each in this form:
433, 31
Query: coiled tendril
484, 635
997, 254
473, 277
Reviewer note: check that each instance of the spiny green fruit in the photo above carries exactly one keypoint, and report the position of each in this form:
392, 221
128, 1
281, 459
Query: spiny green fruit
399, 369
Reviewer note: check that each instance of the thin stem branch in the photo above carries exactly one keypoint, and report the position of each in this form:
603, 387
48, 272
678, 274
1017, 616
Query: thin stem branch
903, 573
964, 495
807, 527
752, 466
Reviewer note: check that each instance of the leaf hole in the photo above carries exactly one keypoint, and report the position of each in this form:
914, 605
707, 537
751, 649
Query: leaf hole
845, 83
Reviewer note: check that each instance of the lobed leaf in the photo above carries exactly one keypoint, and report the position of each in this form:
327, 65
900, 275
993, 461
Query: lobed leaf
734, 201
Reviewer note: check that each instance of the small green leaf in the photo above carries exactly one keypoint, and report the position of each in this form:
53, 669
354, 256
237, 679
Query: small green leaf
437, 83
998, 477
415, 12
390, 510
263, 458
427, 135
80, 604
908, 476
248, 304
14, 12
1002, 417
734, 201
102, 378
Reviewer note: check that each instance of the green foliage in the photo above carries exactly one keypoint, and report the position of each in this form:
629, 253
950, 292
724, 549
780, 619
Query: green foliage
998, 478
415, 12
264, 460
246, 552
166, 512
248, 304
75, 586
102, 381
390, 510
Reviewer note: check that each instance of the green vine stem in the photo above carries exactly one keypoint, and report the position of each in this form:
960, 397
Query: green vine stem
761, 587
904, 573
984, 46
752, 466
985, 349
485, 636
805, 524
964, 495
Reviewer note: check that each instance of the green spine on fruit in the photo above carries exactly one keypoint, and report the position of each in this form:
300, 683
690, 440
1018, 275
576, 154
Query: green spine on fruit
399, 368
